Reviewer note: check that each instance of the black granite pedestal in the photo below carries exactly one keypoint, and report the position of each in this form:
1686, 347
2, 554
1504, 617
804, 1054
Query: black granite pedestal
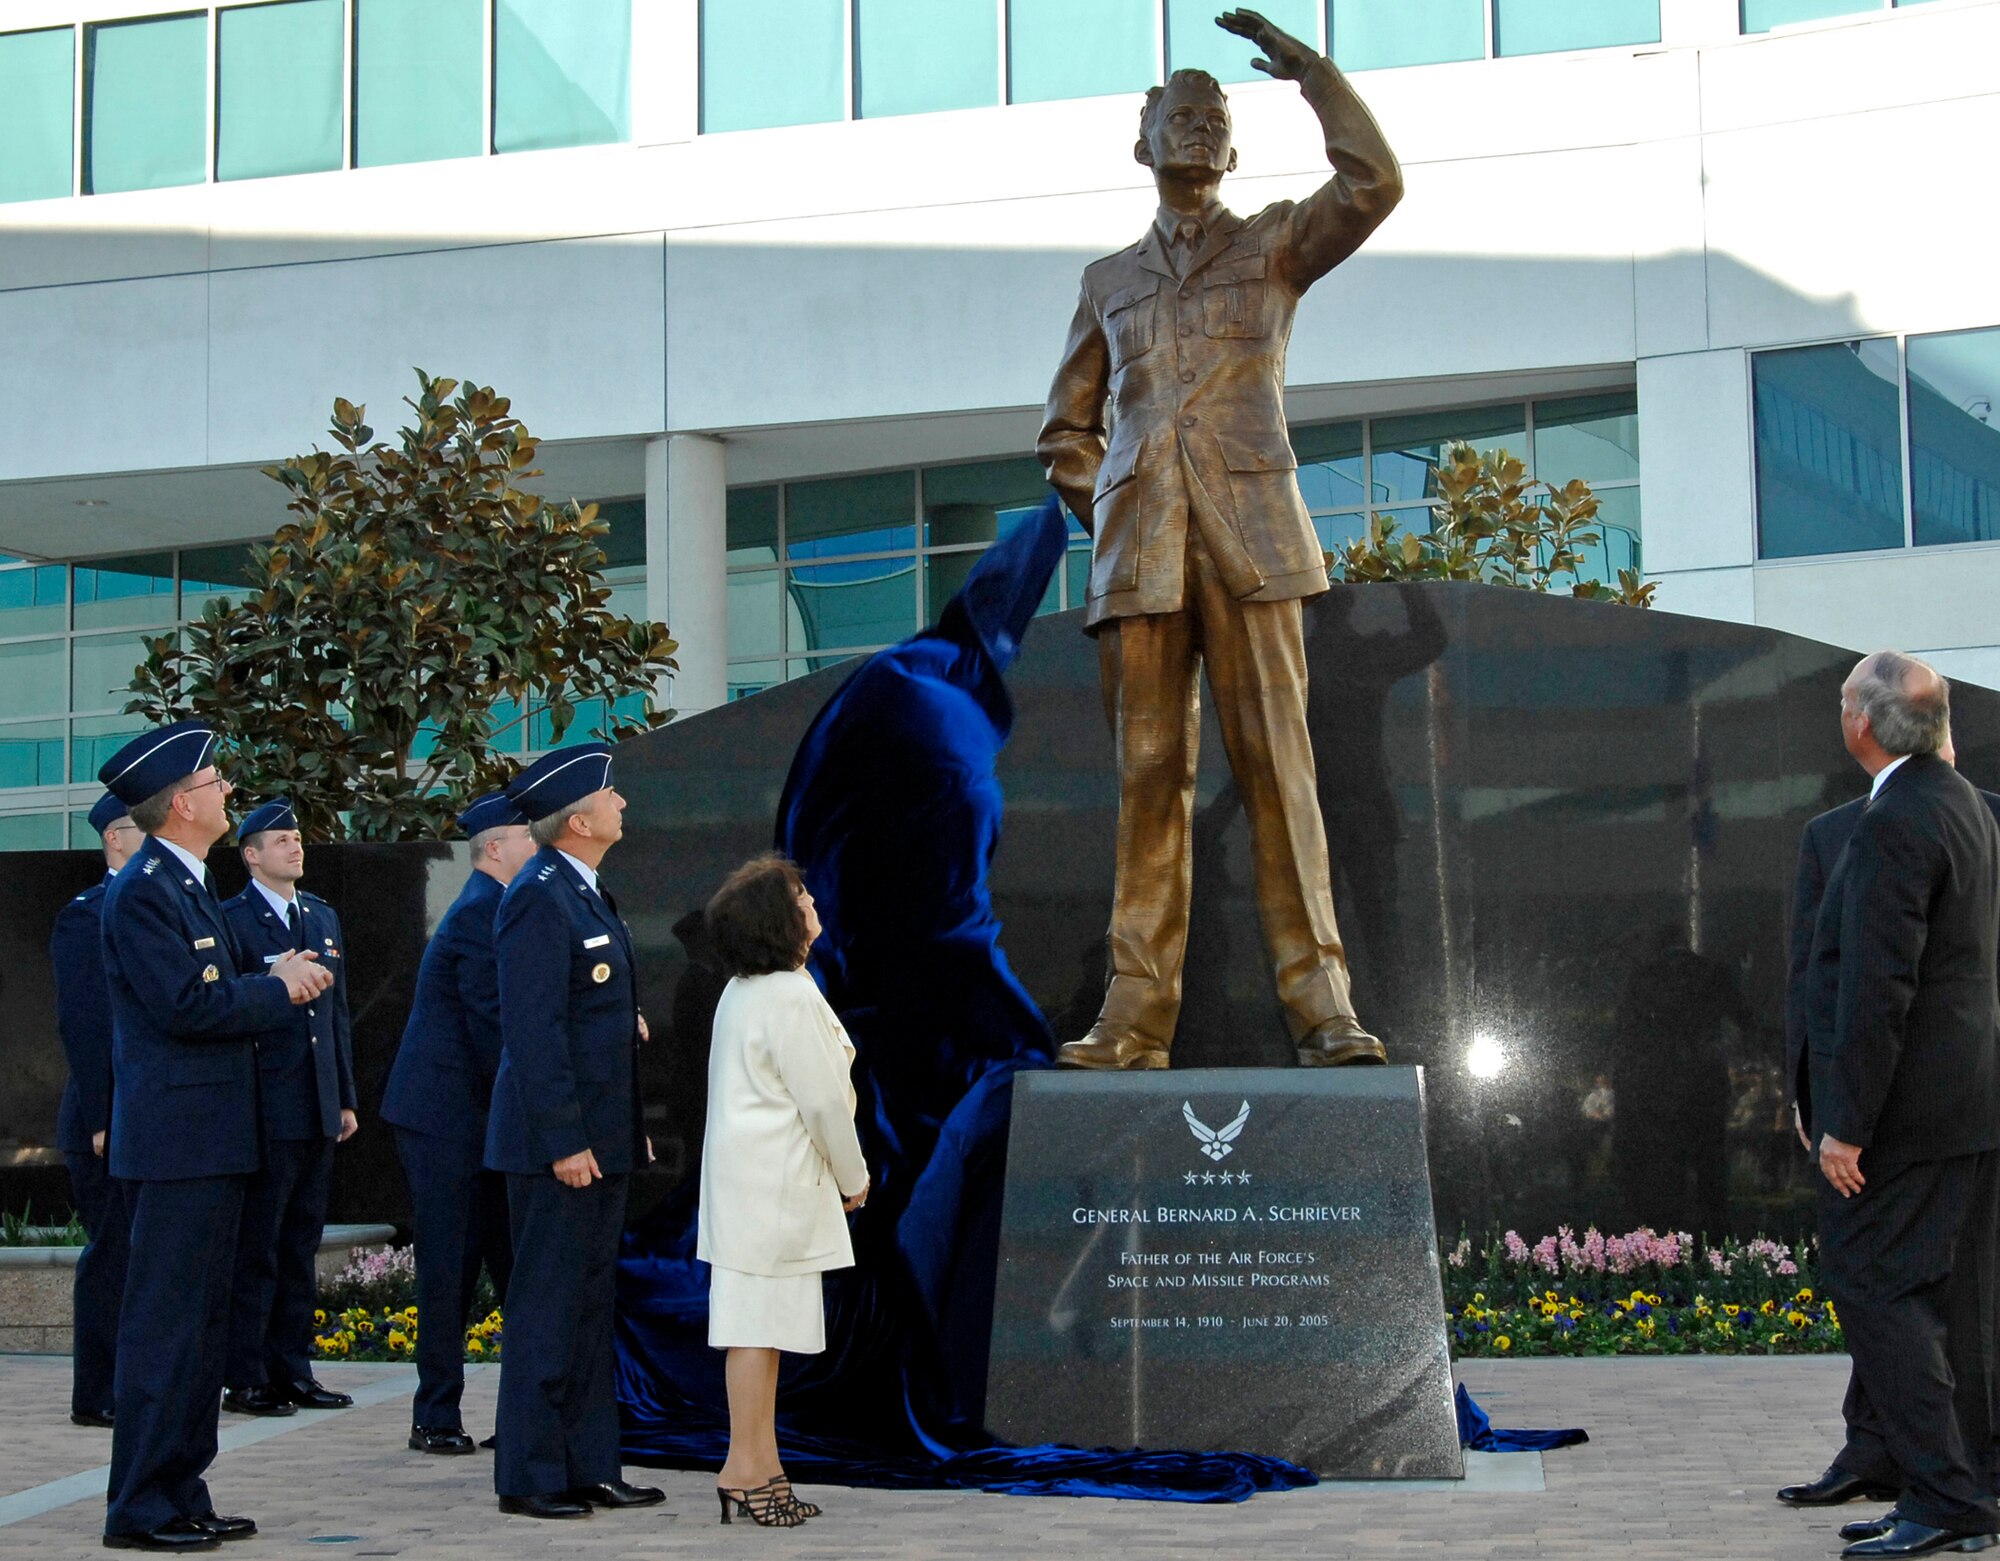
1237, 1259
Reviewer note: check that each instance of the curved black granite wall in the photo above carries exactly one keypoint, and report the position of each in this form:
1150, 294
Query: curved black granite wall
1563, 834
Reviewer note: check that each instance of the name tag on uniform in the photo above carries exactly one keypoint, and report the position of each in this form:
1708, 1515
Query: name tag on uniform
597, 942
272, 959
204, 943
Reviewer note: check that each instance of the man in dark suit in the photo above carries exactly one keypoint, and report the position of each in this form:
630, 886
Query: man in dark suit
1903, 1090
437, 1099
83, 1122
566, 1127
1863, 1467
305, 1075
183, 1132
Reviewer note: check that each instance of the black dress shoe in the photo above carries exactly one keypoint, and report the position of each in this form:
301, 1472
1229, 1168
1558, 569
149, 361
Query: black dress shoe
256, 1401
489, 1442
616, 1493
92, 1417
1919, 1539
182, 1534
440, 1439
1871, 1528
544, 1507
1834, 1487
308, 1394
226, 1528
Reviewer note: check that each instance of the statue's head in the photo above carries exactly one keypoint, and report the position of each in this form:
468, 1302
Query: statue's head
1184, 127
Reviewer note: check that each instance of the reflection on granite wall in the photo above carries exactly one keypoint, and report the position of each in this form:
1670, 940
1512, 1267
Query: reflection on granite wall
1563, 834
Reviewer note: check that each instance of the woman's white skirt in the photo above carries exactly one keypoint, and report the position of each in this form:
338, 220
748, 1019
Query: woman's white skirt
765, 1311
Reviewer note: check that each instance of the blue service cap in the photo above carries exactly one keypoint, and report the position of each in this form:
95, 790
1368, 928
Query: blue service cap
555, 780
491, 811
148, 765
109, 810
275, 814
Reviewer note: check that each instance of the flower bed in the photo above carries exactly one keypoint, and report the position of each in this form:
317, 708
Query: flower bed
1638, 1294
369, 1311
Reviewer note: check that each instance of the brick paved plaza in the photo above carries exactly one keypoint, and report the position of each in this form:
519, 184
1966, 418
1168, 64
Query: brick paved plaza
1683, 1457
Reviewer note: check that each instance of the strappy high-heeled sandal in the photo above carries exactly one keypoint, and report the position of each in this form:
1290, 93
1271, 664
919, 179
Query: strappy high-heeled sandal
765, 1505
808, 1508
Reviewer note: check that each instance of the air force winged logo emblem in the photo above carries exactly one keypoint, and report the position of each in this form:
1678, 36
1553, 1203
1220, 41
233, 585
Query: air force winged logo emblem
1216, 1143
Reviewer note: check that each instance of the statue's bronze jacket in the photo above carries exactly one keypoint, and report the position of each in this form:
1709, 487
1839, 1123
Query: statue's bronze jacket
1191, 371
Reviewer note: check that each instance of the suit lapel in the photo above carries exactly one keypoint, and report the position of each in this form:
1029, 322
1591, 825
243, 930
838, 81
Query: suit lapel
1150, 252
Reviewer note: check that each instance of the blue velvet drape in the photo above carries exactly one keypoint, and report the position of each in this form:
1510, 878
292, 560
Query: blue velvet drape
893, 810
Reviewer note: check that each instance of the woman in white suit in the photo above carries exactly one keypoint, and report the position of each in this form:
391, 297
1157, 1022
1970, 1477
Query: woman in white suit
780, 1169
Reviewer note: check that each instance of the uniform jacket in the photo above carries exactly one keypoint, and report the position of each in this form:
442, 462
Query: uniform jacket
1192, 368
442, 1081
184, 1008
305, 1062
83, 1018
1810, 993
1908, 934
569, 1026
781, 1151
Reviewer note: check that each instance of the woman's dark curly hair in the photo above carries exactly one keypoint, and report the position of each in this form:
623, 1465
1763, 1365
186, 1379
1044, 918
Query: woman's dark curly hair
755, 917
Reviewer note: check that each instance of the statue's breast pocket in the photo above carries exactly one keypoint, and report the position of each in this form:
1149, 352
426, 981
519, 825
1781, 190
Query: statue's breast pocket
1128, 324
1236, 309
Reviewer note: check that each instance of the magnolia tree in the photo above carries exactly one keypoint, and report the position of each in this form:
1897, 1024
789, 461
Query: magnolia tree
420, 606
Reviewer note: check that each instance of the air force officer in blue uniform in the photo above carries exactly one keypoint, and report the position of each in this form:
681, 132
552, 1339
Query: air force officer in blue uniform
566, 1128
184, 1007
437, 1099
305, 1074
83, 1123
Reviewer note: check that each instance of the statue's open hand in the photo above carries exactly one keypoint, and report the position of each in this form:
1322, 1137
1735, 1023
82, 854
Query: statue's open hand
1284, 56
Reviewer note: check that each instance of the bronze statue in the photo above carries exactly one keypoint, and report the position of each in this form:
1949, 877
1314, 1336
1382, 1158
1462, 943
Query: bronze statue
1202, 551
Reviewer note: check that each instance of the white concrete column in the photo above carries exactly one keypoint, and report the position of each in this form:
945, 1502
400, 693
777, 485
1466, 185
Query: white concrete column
1690, 23
687, 478
666, 70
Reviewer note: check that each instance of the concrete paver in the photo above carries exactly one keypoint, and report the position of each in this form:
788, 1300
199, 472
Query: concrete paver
1683, 1459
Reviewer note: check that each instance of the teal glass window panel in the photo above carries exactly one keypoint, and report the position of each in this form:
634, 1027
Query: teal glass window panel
980, 501
417, 88
753, 678
1619, 538
1592, 437
625, 543
278, 94
750, 526
1381, 34
752, 81
944, 576
32, 601
97, 737
920, 56
145, 104
1194, 42
859, 604
838, 515
101, 667
628, 593
1760, 16
31, 832
1546, 26
31, 753
37, 129
121, 592
1059, 49
506, 728
589, 723
1337, 531
1076, 574
1408, 450
1955, 436
81, 836
32, 678
1829, 448
562, 73
1330, 470
216, 574
755, 609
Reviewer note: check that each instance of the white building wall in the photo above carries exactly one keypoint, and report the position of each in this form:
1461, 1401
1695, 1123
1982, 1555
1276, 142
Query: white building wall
836, 297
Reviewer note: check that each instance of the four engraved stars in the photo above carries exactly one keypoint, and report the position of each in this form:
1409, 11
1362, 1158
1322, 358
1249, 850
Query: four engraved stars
1210, 1178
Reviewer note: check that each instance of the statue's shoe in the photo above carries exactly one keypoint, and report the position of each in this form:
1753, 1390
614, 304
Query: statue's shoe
1109, 1049
1340, 1043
